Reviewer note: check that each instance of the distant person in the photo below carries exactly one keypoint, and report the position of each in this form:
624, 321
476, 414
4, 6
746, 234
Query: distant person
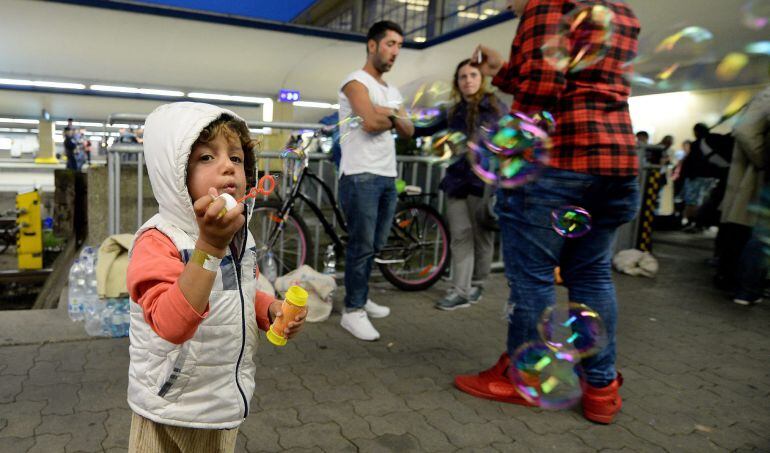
740, 257
70, 146
698, 177
87, 148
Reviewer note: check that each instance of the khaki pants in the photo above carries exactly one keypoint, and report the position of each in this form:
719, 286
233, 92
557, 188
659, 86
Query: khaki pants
472, 244
150, 437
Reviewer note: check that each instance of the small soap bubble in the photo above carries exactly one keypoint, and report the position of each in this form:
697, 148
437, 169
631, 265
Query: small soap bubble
755, 14
571, 221
513, 152
545, 377
579, 329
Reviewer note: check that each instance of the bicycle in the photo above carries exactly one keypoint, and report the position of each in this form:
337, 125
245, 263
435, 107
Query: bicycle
414, 258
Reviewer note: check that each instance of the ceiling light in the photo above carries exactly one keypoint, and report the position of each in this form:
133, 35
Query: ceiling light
42, 84
317, 105
18, 121
133, 90
228, 97
80, 123
419, 39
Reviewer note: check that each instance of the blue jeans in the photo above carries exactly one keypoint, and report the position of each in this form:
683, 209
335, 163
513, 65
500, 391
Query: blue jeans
532, 249
368, 202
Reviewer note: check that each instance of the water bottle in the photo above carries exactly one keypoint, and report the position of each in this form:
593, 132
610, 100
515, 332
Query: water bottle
330, 261
76, 291
118, 319
270, 268
125, 315
106, 317
93, 317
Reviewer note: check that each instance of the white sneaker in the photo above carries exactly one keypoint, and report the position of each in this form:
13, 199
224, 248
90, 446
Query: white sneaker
375, 310
357, 323
747, 303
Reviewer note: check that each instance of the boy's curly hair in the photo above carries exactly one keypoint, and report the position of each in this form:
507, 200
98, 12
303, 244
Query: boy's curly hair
233, 130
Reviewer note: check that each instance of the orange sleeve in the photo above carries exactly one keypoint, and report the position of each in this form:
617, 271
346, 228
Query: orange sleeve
152, 281
262, 302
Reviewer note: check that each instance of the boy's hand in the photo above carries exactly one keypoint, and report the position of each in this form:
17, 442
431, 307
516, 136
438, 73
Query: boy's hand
294, 327
216, 230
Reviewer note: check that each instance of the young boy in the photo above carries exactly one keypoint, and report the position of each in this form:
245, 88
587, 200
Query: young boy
192, 280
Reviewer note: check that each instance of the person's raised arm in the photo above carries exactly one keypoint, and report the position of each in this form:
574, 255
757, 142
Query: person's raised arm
374, 120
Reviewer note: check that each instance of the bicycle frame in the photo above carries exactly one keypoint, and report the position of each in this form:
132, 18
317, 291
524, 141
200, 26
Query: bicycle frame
295, 194
339, 241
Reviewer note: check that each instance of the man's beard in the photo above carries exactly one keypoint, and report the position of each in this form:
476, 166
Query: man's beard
381, 65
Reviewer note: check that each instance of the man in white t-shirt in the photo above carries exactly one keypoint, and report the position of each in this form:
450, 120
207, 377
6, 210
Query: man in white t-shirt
367, 188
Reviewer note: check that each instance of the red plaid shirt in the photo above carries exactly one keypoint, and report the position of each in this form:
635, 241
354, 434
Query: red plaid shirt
593, 127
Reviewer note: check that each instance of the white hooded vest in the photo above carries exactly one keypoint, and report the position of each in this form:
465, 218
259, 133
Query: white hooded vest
208, 381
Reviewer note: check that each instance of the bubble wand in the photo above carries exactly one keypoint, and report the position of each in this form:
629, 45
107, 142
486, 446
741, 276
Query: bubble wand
260, 189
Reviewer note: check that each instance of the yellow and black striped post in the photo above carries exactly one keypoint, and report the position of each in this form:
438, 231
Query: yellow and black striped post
649, 204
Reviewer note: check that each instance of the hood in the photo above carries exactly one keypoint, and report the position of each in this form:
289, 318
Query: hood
169, 133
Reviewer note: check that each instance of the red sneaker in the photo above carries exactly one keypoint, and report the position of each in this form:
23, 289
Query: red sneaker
492, 384
600, 405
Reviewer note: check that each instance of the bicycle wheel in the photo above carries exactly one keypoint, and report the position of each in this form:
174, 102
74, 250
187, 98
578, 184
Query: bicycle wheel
291, 248
417, 251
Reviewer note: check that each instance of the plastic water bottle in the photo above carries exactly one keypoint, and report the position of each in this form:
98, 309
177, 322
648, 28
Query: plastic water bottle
270, 270
76, 291
330, 261
95, 327
124, 319
106, 317
116, 317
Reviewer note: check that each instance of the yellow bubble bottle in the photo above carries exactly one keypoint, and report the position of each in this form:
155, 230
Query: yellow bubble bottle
293, 306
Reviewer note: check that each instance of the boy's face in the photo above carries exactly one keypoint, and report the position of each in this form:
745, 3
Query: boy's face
218, 164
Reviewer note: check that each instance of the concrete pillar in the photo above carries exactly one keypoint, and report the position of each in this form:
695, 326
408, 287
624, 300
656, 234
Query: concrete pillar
47, 152
282, 112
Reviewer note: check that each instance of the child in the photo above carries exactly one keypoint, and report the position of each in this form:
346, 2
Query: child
192, 280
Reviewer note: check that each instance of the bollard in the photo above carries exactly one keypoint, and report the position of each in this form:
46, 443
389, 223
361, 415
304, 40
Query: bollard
29, 238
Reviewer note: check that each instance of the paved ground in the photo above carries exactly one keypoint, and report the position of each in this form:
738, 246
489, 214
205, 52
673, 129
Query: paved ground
696, 370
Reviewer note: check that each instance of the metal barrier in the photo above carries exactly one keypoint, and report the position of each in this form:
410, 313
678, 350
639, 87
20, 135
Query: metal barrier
426, 172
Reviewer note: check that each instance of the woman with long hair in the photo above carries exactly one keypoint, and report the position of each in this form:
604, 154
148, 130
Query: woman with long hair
472, 244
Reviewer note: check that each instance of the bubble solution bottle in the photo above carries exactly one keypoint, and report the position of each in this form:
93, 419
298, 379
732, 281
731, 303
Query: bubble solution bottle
293, 306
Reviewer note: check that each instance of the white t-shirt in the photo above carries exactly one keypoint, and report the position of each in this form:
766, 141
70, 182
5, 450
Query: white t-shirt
363, 152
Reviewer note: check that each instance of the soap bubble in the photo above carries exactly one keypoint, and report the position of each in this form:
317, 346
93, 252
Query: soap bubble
348, 125
293, 160
731, 65
755, 14
579, 329
545, 377
758, 48
571, 221
429, 104
448, 144
583, 38
513, 152
678, 58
